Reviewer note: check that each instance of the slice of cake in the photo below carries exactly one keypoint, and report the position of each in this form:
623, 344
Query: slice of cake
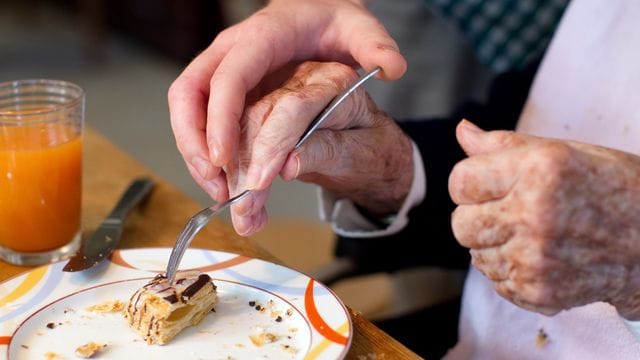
160, 310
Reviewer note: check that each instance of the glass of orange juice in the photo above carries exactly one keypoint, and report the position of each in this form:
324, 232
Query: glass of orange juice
41, 126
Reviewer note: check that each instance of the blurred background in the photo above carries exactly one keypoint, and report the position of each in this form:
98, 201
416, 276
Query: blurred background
126, 53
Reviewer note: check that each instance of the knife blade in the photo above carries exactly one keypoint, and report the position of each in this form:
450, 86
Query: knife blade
107, 236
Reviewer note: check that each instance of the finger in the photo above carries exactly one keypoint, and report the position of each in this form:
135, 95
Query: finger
251, 204
330, 154
216, 188
491, 263
371, 45
485, 177
512, 292
187, 99
284, 126
247, 225
240, 71
475, 141
483, 226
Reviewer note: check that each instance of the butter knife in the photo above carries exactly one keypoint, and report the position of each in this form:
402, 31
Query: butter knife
105, 239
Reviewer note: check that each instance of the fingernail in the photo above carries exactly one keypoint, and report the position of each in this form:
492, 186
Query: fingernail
201, 165
243, 225
254, 177
297, 173
469, 126
244, 207
214, 154
291, 168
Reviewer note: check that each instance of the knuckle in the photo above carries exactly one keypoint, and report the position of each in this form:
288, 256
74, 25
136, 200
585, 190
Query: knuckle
342, 75
270, 28
177, 89
537, 294
553, 157
456, 179
505, 138
460, 226
331, 152
268, 146
225, 34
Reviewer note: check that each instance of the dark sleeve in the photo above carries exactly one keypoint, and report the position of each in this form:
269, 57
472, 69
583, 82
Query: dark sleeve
428, 239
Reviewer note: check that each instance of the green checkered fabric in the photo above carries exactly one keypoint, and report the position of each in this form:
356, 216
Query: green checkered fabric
506, 34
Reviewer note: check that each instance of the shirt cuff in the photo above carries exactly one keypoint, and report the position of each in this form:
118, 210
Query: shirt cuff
633, 326
347, 221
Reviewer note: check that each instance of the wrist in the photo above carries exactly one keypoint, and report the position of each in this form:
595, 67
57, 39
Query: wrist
388, 193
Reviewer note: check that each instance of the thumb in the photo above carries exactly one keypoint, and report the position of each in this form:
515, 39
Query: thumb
475, 141
371, 45
320, 155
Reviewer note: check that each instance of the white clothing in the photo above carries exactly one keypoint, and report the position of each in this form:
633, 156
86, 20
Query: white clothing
587, 89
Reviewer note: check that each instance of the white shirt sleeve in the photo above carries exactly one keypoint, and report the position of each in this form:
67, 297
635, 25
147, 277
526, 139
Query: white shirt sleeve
347, 221
633, 326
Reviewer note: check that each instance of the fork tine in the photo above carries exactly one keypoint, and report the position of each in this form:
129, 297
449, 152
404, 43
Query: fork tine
193, 226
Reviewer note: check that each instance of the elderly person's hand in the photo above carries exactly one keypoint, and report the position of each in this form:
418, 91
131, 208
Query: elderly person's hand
358, 152
207, 100
554, 224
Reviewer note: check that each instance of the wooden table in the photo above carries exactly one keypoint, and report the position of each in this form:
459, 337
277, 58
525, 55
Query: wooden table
108, 170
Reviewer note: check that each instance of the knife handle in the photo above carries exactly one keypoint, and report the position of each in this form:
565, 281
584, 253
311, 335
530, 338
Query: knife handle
136, 192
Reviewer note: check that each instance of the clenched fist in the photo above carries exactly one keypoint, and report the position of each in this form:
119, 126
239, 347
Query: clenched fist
554, 224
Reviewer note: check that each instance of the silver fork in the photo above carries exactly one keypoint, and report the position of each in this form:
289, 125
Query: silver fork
200, 219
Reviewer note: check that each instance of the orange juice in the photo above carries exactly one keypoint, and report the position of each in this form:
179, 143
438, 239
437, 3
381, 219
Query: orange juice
40, 186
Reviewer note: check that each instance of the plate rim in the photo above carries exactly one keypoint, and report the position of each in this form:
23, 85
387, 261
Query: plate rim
345, 310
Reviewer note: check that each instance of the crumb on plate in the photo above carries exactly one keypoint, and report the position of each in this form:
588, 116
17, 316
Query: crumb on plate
52, 356
290, 349
109, 306
263, 338
89, 349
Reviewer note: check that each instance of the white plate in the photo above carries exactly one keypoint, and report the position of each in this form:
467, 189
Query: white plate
313, 322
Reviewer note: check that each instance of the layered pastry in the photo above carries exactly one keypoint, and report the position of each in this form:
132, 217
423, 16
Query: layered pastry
160, 310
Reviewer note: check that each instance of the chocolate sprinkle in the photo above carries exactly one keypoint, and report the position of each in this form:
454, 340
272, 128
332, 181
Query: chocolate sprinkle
279, 318
51, 325
252, 303
258, 307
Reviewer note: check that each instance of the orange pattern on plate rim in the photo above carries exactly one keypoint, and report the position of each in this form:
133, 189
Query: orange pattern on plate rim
316, 320
117, 258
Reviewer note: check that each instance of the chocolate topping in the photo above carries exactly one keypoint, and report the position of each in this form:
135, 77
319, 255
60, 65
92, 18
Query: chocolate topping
192, 289
171, 298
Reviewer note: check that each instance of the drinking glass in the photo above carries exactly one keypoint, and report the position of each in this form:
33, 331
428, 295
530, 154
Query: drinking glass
41, 126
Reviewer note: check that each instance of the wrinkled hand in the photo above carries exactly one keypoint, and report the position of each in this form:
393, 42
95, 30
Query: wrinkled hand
358, 152
554, 224
207, 100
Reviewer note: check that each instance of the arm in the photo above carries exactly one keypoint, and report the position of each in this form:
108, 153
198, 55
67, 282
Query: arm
553, 223
208, 99
429, 225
